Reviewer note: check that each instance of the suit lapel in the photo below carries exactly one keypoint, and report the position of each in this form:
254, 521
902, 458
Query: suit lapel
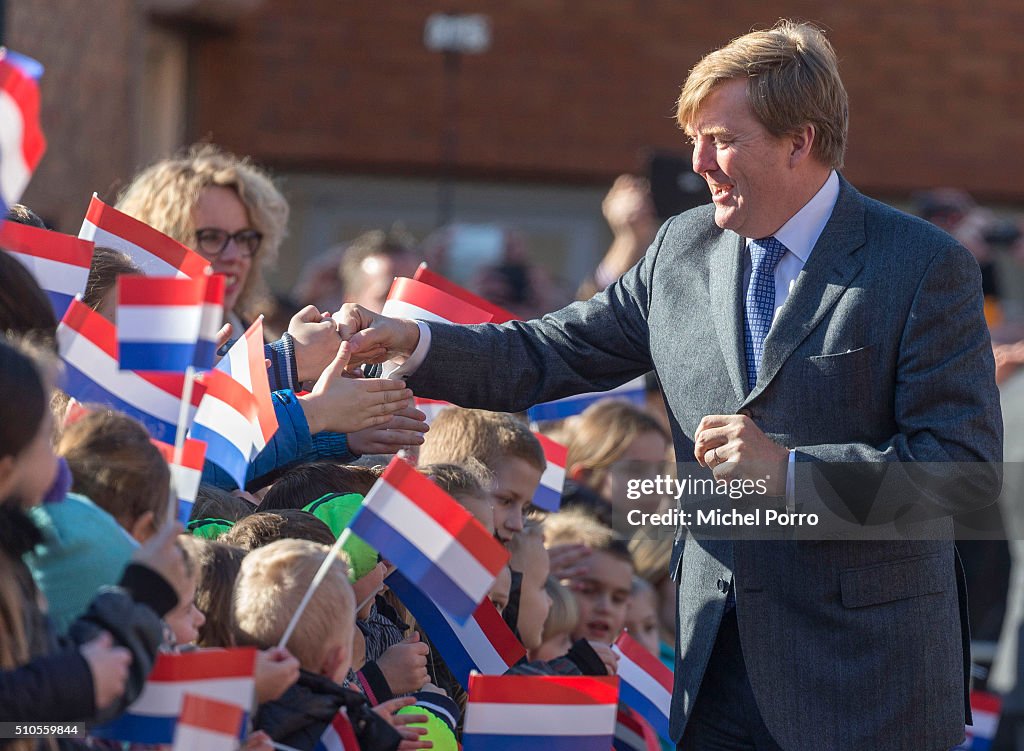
726, 290
828, 272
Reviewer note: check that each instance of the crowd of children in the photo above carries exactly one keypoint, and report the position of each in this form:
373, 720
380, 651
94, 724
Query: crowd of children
97, 578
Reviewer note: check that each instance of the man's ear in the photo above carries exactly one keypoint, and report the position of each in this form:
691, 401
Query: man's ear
801, 142
6, 475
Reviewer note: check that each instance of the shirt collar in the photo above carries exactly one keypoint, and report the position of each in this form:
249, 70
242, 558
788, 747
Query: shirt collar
802, 231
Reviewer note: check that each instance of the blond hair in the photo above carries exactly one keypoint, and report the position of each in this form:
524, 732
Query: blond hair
603, 433
470, 478
164, 194
458, 435
576, 526
272, 581
651, 558
792, 80
564, 615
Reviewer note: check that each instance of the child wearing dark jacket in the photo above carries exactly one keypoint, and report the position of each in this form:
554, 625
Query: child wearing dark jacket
101, 666
270, 585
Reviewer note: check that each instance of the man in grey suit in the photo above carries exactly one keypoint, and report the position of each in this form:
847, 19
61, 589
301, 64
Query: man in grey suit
793, 323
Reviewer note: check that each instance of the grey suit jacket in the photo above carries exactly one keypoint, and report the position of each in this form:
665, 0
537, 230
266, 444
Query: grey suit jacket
880, 354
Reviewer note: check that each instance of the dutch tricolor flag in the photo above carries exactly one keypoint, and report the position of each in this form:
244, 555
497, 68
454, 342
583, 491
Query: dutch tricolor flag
186, 476
552, 482
208, 725
245, 363
88, 346
228, 422
21, 139
631, 391
222, 674
158, 322
986, 708
498, 313
554, 713
339, 735
210, 321
484, 644
646, 683
59, 263
409, 298
633, 732
431, 407
153, 252
431, 539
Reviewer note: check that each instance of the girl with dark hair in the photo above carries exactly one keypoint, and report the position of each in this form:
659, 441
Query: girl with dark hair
102, 665
24, 307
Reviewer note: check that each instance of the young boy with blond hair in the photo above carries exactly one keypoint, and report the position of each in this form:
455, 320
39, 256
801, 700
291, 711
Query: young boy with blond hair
270, 585
503, 445
468, 484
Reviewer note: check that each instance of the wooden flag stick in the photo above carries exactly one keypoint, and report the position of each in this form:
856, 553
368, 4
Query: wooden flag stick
186, 402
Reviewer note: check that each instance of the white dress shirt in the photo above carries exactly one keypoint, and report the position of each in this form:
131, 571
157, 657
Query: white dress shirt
799, 235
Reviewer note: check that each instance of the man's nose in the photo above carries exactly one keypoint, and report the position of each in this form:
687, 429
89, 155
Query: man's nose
703, 157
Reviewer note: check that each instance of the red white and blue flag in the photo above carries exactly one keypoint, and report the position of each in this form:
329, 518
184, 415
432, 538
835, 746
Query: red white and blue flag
339, 735
222, 674
208, 725
498, 313
484, 643
158, 322
228, 421
59, 263
245, 363
646, 683
21, 138
210, 322
187, 475
431, 407
985, 707
88, 346
552, 482
554, 713
631, 391
436, 543
409, 298
633, 732
153, 252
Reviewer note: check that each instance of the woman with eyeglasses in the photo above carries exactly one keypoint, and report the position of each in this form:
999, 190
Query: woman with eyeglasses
229, 211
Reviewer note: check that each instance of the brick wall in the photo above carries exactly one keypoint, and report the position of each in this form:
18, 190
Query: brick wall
570, 92
92, 53
578, 91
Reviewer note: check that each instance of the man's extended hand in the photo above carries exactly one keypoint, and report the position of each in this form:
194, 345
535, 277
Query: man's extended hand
733, 447
316, 342
373, 337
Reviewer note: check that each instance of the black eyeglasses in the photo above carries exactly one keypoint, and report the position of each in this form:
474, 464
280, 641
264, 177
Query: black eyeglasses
212, 242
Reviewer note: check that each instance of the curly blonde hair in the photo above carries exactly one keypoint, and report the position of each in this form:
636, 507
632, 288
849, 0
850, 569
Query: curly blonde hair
164, 194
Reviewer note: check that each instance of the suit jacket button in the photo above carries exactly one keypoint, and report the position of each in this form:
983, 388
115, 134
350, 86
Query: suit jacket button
723, 586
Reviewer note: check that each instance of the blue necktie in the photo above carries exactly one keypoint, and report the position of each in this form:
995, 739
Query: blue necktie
759, 306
